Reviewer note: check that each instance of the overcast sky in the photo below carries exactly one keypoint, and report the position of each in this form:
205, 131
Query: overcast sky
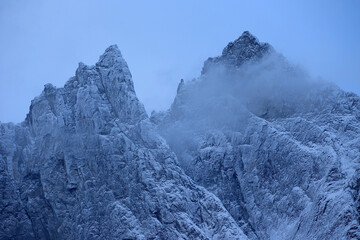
163, 41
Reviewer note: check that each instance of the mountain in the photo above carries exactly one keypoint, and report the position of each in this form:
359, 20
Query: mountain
88, 164
252, 149
280, 150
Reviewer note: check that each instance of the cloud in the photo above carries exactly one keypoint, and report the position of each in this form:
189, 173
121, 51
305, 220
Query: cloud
225, 97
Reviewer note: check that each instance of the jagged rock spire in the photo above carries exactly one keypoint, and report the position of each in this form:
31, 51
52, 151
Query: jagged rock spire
111, 56
107, 84
247, 47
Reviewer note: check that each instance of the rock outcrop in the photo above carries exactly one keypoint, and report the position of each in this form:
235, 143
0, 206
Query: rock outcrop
87, 164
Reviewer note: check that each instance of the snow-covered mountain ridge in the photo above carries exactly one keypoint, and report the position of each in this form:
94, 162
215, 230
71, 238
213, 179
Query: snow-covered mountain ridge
252, 149
88, 164
279, 149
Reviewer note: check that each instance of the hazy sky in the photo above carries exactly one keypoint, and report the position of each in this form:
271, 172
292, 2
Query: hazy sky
163, 41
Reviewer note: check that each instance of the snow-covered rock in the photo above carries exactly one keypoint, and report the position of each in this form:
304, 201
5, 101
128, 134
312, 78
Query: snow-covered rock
88, 164
244, 49
252, 149
281, 151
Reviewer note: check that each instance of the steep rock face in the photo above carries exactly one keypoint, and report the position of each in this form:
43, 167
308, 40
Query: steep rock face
14, 221
87, 164
280, 150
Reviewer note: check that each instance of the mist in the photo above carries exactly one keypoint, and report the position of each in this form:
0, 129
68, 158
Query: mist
224, 98
223, 92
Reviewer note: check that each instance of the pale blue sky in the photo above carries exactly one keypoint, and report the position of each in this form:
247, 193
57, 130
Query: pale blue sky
164, 41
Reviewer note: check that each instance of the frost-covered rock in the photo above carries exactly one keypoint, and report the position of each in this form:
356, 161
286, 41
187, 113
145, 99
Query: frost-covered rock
244, 49
88, 164
281, 151
252, 149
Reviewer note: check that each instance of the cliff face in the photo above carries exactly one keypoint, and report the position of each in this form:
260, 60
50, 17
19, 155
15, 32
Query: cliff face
280, 150
87, 164
252, 149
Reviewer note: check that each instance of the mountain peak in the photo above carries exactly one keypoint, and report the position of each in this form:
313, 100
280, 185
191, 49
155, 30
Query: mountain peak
111, 56
113, 48
245, 48
247, 37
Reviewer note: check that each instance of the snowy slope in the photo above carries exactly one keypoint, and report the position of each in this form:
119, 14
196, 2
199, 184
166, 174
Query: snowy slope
280, 150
